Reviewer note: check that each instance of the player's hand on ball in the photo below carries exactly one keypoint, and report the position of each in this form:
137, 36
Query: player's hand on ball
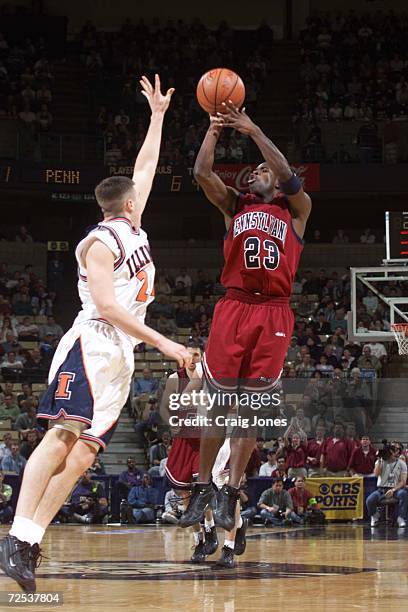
158, 102
234, 118
175, 351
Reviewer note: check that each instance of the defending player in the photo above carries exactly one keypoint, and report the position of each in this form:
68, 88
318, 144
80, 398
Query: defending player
183, 461
253, 323
91, 371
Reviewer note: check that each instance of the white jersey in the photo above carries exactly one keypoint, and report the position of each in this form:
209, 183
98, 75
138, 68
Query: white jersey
133, 272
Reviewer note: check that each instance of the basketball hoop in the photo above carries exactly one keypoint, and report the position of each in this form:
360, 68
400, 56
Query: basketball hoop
400, 331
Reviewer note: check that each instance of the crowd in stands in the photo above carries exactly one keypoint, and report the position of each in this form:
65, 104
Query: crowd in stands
180, 52
354, 67
29, 332
26, 77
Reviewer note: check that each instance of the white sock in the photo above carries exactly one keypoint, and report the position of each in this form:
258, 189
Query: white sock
198, 536
26, 530
209, 524
229, 544
239, 524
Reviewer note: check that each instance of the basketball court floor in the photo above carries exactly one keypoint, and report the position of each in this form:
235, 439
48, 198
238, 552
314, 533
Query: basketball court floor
334, 567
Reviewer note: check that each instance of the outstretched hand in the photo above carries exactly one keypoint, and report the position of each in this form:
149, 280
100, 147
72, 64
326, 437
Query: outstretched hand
234, 118
158, 102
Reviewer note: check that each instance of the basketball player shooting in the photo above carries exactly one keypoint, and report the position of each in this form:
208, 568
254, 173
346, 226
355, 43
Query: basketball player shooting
253, 323
90, 375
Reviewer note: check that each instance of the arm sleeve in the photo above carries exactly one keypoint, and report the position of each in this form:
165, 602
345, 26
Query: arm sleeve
264, 498
288, 500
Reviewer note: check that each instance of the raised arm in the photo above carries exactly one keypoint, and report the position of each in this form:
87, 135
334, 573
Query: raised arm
146, 161
223, 197
299, 202
99, 265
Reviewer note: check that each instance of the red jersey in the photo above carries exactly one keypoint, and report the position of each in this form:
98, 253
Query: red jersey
261, 248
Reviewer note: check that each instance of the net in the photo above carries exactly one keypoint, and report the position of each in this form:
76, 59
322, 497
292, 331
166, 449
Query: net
400, 331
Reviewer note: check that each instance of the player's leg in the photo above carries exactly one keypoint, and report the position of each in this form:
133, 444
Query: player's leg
210, 530
221, 364
46, 459
228, 550
61, 483
19, 551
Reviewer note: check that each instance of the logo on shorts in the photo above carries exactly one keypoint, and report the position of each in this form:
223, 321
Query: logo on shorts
281, 334
64, 381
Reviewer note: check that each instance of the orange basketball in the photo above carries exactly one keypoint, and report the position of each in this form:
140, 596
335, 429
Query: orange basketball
217, 86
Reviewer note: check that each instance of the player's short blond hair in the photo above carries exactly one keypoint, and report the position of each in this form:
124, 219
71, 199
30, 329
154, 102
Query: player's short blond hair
112, 193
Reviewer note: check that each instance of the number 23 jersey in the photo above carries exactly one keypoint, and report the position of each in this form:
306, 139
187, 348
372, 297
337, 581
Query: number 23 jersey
133, 270
261, 247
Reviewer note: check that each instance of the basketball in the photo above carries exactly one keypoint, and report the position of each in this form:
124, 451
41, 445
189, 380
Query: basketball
217, 86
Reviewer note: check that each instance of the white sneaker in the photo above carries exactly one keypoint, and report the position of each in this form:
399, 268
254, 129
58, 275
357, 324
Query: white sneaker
401, 522
375, 519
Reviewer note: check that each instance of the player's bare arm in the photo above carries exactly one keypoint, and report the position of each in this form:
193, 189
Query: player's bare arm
99, 263
300, 202
146, 161
223, 197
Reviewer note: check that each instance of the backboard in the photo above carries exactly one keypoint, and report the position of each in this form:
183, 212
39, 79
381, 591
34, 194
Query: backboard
378, 287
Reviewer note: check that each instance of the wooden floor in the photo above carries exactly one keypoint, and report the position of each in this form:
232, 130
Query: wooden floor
338, 567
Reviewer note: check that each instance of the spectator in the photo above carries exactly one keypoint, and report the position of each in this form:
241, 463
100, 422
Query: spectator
8, 408
367, 359
98, 467
314, 451
391, 482
336, 453
129, 478
6, 492
340, 237
5, 446
158, 452
378, 350
185, 279
144, 500
257, 457
281, 472
88, 503
14, 462
295, 456
173, 508
23, 235
27, 392
299, 424
276, 505
300, 498
362, 458
51, 328
28, 418
270, 466
145, 385
11, 362
27, 330
30, 443
367, 237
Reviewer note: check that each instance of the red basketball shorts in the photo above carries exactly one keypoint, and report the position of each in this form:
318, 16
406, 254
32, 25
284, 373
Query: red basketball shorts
183, 462
248, 342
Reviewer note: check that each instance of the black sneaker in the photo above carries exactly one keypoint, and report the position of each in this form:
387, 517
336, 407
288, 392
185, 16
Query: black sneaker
211, 541
199, 553
226, 560
18, 561
240, 539
224, 513
202, 496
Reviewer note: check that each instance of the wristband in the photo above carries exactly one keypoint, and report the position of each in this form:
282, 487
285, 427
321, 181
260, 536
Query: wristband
292, 186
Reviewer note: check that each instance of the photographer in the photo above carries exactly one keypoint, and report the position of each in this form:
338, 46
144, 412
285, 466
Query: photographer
88, 501
391, 472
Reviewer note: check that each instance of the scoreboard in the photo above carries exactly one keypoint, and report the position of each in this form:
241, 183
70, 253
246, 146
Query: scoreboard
396, 236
